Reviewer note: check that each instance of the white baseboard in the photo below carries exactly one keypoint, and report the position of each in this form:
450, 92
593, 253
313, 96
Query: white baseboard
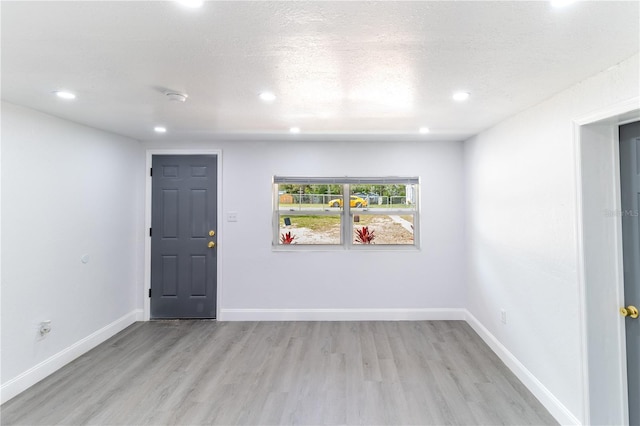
550, 402
139, 313
341, 314
38, 372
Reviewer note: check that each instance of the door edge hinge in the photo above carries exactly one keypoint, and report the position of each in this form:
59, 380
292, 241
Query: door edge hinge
149, 292
151, 171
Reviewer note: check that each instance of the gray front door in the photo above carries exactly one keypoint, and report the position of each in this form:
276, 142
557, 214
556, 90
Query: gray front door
630, 197
183, 236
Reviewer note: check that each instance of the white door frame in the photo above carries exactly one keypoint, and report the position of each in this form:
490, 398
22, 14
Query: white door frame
147, 222
600, 267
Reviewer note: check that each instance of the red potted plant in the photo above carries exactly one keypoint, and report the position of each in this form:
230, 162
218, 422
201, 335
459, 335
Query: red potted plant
364, 236
287, 238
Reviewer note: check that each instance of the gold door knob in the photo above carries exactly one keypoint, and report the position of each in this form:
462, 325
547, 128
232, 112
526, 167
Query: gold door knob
211, 244
212, 233
630, 311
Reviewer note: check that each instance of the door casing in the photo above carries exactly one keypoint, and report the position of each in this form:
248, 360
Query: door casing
147, 221
600, 267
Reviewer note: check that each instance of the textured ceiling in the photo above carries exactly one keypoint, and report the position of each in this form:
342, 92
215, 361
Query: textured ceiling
338, 69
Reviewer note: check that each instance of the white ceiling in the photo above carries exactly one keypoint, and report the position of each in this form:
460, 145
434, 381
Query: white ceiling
338, 69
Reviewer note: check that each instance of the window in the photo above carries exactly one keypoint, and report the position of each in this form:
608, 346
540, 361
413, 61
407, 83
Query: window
311, 211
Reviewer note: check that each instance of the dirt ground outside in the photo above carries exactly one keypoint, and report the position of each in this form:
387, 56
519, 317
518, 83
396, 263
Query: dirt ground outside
388, 230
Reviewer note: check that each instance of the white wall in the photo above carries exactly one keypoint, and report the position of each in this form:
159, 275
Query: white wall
256, 277
521, 231
67, 190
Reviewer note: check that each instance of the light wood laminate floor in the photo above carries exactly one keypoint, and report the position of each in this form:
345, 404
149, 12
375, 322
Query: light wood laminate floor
261, 373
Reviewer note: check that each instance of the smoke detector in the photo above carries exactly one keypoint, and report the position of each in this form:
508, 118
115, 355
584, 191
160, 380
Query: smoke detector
176, 96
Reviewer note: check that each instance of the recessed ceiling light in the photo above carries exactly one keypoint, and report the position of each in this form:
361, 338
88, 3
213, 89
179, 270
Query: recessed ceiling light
267, 96
424, 130
63, 94
191, 3
160, 129
460, 96
295, 130
561, 3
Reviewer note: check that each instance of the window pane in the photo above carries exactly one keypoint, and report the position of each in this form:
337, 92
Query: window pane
398, 197
309, 229
383, 229
311, 211
293, 197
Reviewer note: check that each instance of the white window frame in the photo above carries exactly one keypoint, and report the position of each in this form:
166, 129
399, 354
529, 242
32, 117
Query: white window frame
346, 213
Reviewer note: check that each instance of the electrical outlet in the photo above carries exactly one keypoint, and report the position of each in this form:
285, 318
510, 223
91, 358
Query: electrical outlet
45, 328
503, 316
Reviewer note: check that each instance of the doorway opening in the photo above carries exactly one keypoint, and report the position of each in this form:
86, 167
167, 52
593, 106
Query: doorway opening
600, 263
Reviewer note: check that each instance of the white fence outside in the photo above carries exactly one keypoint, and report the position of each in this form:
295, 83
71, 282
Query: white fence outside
305, 200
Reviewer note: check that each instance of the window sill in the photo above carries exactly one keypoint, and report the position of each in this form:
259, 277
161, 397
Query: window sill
289, 248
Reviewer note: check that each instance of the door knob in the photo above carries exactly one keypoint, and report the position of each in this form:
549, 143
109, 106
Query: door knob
630, 311
211, 244
212, 233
